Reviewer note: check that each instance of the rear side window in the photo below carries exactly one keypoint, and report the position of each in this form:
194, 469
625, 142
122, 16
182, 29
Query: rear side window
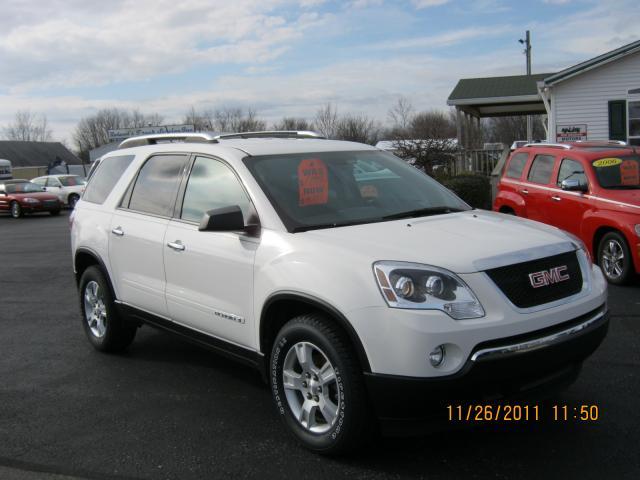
157, 185
541, 169
105, 177
516, 165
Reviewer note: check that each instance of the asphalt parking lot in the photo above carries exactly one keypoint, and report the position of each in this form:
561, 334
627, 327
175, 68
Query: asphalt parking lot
169, 409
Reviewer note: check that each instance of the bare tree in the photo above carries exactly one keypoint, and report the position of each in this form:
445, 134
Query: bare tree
226, 120
93, 131
428, 140
291, 123
509, 129
401, 113
28, 127
326, 121
202, 121
357, 128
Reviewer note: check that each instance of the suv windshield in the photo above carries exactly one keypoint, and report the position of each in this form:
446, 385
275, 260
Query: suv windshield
621, 172
24, 187
330, 189
72, 181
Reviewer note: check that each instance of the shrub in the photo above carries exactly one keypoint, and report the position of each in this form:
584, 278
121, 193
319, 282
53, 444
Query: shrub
473, 189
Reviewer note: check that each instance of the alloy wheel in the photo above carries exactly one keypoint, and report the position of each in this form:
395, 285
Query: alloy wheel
613, 259
311, 387
95, 311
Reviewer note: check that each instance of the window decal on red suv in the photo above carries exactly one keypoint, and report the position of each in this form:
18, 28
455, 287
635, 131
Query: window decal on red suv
629, 173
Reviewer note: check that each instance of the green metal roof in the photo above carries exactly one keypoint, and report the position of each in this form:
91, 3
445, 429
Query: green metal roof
495, 87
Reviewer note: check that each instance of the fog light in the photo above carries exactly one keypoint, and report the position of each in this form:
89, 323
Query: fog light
436, 357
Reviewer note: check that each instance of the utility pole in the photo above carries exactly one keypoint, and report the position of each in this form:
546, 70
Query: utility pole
527, 51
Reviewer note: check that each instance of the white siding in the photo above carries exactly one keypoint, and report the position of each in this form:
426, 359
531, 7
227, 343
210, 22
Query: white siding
585, 98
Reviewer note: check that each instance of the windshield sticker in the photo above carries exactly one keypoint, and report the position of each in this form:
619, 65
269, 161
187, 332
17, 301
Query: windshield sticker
368, 191
629, 173
313, 182
607, 162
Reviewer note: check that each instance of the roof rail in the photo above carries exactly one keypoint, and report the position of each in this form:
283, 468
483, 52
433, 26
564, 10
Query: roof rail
207, 137
271, 134
604, 142
550, 145
167, 137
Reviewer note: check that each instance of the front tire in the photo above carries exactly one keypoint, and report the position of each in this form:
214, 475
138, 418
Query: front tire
16, 210
105, 328
317, 385
614, 258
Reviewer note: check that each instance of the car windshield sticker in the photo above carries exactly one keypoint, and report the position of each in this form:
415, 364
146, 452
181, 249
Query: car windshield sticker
369, 191
629, 172
313, 182
607, 162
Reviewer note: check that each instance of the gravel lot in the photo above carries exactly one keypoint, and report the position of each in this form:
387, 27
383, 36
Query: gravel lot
168, 409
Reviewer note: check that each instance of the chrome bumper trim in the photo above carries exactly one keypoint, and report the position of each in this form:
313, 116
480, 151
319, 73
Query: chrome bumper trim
538, 343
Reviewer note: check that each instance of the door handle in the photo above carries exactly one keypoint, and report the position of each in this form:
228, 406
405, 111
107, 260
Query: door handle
177, 246
556, 198
525, 191
117, 231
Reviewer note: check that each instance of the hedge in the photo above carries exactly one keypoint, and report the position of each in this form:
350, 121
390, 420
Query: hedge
473, 189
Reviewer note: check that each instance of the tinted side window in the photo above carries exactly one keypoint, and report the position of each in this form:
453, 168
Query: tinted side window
571, 169
105, 177
516, 165
212, 185
541, 169
157, 185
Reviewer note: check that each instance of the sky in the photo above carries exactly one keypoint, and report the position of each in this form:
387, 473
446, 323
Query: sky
69, 58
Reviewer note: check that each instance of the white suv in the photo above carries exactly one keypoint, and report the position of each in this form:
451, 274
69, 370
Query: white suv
68, 188
357, 285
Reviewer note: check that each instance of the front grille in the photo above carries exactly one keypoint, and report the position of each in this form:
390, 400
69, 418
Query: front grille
516, 284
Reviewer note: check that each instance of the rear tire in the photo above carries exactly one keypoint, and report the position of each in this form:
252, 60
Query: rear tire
16, 210
72, 200
105, 328
614, 258
323, 403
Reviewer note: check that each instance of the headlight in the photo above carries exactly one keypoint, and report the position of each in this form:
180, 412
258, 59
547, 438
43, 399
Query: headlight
31, 200
579, 244
637, 229
423, 287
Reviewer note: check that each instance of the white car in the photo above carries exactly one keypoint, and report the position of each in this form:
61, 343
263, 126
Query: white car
68, 188
358, 297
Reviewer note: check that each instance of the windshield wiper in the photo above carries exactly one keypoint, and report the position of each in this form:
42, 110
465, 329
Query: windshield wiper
304, 228
422, 212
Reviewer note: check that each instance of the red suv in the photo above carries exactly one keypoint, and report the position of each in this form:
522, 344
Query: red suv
589, 189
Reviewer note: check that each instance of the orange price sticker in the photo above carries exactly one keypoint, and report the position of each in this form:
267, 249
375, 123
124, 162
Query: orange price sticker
629, 173
368, 191
313, 182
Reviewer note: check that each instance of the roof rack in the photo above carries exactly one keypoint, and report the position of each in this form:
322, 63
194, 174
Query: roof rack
208, 137
603, 142
550, 145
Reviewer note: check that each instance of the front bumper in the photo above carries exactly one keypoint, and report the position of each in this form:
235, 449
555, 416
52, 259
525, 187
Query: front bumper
43, 206
526, 367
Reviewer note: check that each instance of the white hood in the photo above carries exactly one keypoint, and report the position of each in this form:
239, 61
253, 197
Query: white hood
462, 242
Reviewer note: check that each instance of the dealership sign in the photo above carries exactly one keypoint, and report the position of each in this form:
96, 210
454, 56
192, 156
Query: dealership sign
571, 133
120, 134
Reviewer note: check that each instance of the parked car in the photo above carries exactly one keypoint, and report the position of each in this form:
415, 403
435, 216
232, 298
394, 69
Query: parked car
360, 297
68, 188
20, 196
5, 169
590, 189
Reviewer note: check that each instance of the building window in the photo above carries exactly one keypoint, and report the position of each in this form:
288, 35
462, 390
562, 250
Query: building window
634, 122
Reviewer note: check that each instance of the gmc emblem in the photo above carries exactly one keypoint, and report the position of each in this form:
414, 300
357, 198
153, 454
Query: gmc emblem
548, 277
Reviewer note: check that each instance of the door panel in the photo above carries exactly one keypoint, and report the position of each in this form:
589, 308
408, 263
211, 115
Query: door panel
210, 282
210, 274
135, 252
534, 191
567, 209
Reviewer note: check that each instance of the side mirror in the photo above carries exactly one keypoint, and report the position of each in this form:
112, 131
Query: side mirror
225, 219
574, 185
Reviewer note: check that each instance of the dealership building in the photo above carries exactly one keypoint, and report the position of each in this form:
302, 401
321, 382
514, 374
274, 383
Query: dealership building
598, 99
